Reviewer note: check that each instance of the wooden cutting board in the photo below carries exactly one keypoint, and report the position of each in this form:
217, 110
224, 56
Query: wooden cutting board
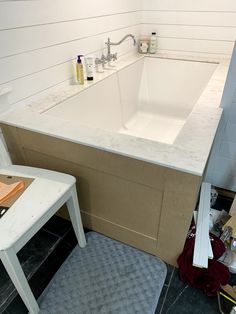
12, 179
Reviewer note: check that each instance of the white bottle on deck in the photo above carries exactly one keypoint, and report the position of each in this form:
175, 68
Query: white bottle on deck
153, 43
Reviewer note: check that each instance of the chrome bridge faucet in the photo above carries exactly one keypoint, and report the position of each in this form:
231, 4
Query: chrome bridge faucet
113, 56
110, 56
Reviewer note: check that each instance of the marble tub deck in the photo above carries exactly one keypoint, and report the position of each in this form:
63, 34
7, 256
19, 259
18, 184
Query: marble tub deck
188, 153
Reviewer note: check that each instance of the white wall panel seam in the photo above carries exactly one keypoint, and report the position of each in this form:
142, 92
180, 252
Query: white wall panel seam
68, 21
69, 41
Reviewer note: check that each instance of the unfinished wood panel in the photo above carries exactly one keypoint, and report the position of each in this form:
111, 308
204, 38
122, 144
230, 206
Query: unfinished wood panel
130, 200
121, 166
179, 200
122, 202
118, 232
115, 231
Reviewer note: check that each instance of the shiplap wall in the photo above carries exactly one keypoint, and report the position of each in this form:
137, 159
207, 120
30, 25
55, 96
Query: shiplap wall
205, 26
40, 38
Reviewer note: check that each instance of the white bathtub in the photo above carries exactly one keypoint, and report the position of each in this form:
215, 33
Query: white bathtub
152, 99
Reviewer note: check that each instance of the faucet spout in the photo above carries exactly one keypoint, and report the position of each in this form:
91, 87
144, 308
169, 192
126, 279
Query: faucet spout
121, 41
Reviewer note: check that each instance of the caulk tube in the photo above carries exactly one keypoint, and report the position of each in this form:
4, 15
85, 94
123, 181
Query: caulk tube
89, 68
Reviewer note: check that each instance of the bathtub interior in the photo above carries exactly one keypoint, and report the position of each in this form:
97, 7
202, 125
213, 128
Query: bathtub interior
151, 98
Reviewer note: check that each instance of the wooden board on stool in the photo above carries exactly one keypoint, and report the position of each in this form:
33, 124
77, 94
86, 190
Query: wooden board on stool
13, 179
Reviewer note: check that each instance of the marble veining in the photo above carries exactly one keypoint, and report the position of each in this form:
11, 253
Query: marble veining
188, 153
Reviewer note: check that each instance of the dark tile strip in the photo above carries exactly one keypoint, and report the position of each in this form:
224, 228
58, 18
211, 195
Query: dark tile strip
176, 299
164, 292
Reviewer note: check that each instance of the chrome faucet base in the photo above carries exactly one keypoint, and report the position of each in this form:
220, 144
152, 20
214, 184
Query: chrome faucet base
113, 56
110, 56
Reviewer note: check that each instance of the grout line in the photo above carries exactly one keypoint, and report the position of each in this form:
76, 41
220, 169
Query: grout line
50, 67
188, 11
177, 298
167, 290
67, 21
91, 168
188, 25
200, 39
192, 51
45, 89
53, 66
42, 90
51, 232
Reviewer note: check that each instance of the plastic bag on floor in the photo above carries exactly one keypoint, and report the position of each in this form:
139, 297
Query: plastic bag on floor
210, 279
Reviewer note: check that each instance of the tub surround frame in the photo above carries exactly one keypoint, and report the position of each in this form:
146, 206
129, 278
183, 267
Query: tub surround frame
139, 203
137, 191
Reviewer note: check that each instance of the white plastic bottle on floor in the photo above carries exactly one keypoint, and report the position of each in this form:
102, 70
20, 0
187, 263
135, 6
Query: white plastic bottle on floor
153, 43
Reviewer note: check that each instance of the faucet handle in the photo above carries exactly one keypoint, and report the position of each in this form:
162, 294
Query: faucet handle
98, 61
103, 60
114, 56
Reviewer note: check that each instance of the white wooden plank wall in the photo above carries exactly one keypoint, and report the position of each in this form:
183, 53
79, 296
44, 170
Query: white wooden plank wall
40, 39
204, 26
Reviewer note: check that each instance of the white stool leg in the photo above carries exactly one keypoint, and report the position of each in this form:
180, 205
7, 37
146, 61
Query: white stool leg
74, 212
15, 272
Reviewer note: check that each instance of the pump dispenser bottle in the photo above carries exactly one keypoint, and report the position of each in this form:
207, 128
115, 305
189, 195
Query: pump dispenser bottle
79, 71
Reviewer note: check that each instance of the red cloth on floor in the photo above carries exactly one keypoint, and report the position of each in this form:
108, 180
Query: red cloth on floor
210, 279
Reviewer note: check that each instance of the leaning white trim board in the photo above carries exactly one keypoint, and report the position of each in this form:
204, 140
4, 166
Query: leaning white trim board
210, 252
201, 246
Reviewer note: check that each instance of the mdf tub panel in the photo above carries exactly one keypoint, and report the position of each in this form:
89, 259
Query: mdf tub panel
145, 205
180, 196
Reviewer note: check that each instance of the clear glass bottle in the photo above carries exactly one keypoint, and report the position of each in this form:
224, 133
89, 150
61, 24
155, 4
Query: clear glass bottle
153, 43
